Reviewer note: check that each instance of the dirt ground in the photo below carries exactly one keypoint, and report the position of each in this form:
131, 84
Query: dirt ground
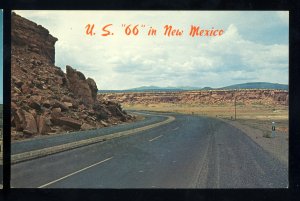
258, 131
255, 120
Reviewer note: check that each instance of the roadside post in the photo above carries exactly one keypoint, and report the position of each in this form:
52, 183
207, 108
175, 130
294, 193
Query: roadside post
273, 130
234, 104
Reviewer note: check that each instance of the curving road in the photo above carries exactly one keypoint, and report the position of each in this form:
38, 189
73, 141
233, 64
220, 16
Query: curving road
190, 152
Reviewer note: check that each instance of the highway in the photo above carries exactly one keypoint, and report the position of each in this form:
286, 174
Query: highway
190, 152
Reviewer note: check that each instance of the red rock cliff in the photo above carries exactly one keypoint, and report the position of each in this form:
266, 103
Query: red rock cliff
44, 99
30, 37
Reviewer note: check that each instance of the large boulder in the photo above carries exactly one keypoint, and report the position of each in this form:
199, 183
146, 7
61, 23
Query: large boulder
67, 121
25, 122
61, 105
82, 88
43, 124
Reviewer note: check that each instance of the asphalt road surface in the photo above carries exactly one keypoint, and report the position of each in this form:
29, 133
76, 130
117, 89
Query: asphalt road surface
190, 152
47, 141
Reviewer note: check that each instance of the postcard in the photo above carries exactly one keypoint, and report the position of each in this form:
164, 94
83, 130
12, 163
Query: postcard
149, 99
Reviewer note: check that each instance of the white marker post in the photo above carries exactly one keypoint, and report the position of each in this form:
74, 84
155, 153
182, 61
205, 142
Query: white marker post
273, 129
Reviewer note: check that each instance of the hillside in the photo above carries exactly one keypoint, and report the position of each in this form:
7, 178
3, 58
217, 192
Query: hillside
258, 85
44, 99
250, 85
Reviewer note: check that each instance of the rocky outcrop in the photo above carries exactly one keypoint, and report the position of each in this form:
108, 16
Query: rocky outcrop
33, 38
267, 97
44, 99
82, 88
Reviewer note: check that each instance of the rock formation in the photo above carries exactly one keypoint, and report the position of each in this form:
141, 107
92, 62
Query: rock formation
266, 97
85, 89
44, 99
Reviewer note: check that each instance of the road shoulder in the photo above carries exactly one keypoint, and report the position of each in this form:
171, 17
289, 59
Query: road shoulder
277, 146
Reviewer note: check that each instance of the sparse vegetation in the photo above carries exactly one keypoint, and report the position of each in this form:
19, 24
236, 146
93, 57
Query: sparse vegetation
258, 116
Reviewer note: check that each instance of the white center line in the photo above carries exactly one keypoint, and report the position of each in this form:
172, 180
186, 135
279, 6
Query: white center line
52, 182
155, 138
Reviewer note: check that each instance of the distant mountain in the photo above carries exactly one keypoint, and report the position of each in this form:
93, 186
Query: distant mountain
258, 85
146, 88
207, 88
250, 85
156, 88
153, 89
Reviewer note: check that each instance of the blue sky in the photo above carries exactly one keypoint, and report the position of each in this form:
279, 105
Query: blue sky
1, 56
254, 47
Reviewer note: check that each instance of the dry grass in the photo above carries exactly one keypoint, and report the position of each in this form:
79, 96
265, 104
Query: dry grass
257, 116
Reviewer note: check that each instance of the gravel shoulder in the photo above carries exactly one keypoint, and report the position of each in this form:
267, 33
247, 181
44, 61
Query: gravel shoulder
277, 146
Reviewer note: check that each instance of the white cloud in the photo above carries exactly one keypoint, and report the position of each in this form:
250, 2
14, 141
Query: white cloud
120, 61
284, 16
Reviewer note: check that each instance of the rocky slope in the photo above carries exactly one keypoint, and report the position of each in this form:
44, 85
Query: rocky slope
267, 97
44, 99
